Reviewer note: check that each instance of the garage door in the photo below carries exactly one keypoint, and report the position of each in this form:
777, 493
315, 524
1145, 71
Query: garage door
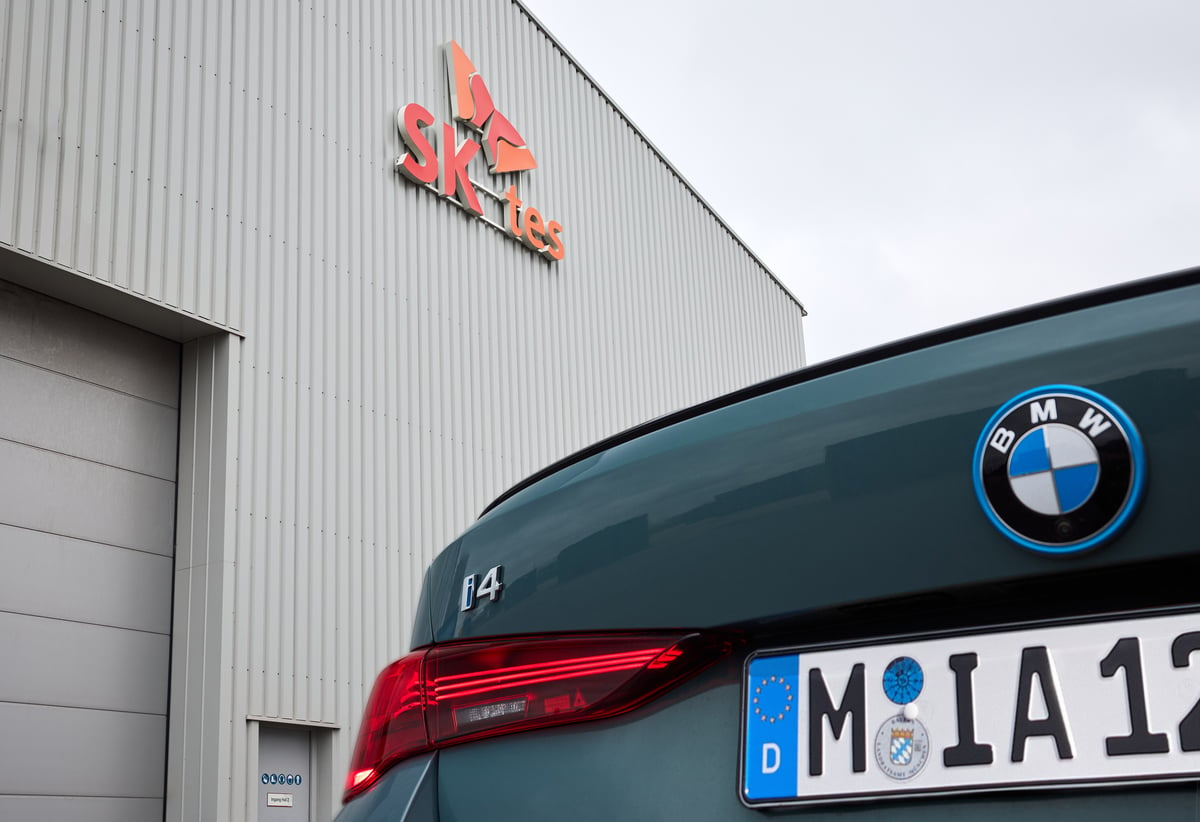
89, 416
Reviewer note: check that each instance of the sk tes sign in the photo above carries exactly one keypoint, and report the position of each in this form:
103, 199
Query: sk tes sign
442, 164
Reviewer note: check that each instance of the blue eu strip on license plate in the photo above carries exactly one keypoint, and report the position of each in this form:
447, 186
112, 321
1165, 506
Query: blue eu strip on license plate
1059, 705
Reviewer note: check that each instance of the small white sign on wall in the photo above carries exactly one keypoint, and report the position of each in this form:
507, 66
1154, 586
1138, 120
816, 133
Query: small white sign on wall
279, 800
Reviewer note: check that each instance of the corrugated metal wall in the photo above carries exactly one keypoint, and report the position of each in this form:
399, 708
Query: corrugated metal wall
402, 363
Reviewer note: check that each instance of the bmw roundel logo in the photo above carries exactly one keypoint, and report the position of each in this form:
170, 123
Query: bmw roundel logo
1059, 469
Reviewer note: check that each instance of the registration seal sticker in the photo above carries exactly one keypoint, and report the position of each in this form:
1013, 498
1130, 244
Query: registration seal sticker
901, 747
1059, 469
903, 680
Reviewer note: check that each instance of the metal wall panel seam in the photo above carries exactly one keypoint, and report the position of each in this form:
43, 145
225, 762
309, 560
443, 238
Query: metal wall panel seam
50, 154
719, 313
10, 112
699, 319
662, 343
551, 85
31, 130
89, 160
324, 366
153, 266
575, 296
237, 174
655, 243
64, 206
398, 488
220, 206
377, 296
203, 216
190, 219
119, 237
581, 275
349, 672
290, 570
310, 439
742, 361
87, 186
260, 359
280, 637
308, 651
676, 317
353, 396
139, 167
247, 695
723, 315
687, 384
375, 290
344, 678
255, 491
359, 396
167, 259
620, 304
546, 281
604, 365
409, 450
691, 309
185, 54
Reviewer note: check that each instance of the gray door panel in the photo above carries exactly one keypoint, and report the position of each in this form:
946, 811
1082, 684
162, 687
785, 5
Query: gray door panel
47, 491
47, 575
80, 809
42, 331
74, 664
88, 447
47, 750
117, 429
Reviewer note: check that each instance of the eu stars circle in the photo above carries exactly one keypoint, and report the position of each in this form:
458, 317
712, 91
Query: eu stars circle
1059, 469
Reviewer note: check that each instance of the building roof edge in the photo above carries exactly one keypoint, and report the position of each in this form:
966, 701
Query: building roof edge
662, 157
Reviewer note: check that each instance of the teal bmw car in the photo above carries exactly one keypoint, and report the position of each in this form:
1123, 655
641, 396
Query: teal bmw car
951, 578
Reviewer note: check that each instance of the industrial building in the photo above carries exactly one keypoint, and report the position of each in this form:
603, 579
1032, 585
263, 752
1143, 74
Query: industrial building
289, 291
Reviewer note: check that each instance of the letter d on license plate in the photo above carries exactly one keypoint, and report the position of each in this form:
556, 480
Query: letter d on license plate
1060, 705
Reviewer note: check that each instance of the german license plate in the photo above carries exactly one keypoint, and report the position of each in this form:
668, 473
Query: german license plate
1063, 705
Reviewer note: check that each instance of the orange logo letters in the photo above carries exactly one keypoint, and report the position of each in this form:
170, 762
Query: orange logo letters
505, 150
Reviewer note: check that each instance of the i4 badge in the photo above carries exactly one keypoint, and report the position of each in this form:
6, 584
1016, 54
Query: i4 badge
1059, 469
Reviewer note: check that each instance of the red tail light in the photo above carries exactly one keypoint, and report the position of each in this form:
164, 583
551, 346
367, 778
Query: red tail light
453, 693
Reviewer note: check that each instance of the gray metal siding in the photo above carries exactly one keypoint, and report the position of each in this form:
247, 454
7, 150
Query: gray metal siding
402, 363
87, 500
208, 742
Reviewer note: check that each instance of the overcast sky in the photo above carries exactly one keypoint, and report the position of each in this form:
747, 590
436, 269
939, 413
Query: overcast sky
906, 164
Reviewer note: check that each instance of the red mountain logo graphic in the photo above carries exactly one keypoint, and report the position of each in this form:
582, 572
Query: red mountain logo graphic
472, 104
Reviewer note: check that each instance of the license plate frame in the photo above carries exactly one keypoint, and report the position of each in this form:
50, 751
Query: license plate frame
1067, 685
